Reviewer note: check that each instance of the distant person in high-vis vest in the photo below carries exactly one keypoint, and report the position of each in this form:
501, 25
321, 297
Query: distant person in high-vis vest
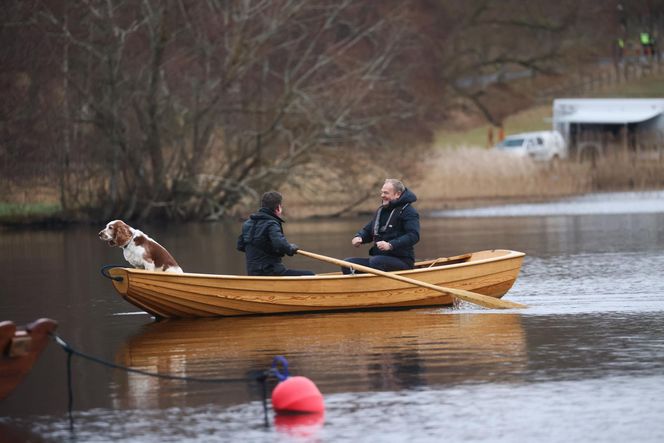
646, 43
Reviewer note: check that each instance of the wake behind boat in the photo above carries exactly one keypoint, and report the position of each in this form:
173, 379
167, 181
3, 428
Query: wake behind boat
170, 295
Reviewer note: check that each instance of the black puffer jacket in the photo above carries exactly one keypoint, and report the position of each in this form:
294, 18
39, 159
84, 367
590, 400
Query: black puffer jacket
264, 243
397, 223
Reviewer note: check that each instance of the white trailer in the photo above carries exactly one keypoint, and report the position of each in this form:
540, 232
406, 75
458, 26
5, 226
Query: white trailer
594, 127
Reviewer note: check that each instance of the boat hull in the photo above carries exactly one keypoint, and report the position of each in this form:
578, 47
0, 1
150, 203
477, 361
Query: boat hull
169, 295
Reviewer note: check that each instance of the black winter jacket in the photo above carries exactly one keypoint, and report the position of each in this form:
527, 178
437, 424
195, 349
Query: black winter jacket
397, 223
264, 243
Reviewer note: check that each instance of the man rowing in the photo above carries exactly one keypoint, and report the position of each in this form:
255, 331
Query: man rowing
394, 230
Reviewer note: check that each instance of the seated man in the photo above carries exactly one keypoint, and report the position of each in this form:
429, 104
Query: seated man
394, 230
263, 241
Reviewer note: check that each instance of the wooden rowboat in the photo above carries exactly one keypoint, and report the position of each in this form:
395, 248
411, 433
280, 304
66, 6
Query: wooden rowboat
170, 295
20, 349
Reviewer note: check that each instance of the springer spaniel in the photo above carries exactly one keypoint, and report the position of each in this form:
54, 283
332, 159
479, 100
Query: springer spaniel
138, 249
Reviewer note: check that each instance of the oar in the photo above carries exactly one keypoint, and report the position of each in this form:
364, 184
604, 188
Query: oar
470, 297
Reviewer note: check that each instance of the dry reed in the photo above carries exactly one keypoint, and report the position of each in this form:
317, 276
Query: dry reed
471, 176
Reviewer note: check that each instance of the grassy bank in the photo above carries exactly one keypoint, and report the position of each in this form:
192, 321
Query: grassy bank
534, 119
27, 213
449, 178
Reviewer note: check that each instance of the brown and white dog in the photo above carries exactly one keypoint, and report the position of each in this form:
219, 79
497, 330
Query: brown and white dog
138, 249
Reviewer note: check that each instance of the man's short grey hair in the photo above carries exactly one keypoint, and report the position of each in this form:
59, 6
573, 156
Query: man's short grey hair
396, 184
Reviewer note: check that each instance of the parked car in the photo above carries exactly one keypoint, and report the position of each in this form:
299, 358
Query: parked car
541, 145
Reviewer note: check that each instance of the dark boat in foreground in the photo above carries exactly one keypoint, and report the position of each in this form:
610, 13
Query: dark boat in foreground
21, 348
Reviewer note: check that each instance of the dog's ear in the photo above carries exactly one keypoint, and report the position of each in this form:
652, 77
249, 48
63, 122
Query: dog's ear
121, 234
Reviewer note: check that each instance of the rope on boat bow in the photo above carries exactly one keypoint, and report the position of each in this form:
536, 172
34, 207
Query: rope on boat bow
104, 271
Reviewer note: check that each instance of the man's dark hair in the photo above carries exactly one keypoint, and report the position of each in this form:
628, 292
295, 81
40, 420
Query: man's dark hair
271, 200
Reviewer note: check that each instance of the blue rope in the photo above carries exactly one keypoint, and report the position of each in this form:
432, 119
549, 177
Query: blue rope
275, 370
104, 272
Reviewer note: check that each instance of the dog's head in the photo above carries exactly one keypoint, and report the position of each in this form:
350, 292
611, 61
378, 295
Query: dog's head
116, 233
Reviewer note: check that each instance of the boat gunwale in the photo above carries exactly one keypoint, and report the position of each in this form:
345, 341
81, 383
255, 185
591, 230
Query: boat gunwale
511, 254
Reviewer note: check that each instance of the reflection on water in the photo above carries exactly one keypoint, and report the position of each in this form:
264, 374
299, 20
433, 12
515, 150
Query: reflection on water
363, 351
300, 425
587, 353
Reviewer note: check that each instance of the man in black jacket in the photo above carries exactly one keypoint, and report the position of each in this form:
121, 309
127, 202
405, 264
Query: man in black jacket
263, 241
394, 230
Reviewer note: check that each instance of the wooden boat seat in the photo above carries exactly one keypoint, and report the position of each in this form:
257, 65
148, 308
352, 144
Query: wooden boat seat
440, 261
443, 261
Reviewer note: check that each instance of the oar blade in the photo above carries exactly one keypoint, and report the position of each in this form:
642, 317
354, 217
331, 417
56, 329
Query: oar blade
484, 300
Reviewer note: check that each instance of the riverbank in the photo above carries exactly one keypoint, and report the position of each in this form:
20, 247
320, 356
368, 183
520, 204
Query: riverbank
459, 178
471, 177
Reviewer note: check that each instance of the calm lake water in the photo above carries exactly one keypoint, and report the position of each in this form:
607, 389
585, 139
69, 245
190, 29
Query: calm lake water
585, 361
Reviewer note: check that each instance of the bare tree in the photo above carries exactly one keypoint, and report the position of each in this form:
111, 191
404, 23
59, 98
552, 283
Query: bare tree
481, 47
189, 109
185, 108
25, 129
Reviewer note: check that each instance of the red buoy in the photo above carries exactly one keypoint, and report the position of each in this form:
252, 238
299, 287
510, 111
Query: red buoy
297, 395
